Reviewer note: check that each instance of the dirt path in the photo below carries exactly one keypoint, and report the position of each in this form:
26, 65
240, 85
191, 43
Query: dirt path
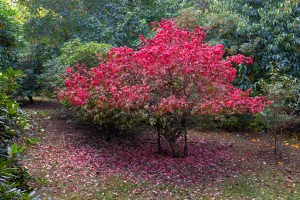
73, 161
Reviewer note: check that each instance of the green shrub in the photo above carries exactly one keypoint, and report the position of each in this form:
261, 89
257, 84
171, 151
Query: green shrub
284, 93
30, 59
12, 120
13, 177
237, 122
88, 54
52, 77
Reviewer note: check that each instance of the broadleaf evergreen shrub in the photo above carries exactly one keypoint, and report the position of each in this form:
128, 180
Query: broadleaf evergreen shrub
13, 177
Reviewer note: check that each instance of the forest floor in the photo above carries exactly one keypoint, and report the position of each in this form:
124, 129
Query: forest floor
72, 160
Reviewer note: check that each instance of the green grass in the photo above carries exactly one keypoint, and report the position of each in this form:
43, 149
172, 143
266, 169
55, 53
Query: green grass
268, 185
252, 186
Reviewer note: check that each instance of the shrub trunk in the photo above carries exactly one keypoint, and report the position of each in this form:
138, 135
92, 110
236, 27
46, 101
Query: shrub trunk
172, 127
174, 147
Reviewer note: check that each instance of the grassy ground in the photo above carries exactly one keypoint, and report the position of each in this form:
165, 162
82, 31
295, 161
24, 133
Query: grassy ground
73, 161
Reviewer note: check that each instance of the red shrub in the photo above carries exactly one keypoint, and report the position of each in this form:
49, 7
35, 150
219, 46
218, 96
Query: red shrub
172, 76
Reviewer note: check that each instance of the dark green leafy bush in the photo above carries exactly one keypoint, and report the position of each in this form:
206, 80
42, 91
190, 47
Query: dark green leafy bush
12, 121
13, 177
278, 36
30, 59
52, 77
75, 51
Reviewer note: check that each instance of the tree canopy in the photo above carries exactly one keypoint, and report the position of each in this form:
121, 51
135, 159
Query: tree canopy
9, 33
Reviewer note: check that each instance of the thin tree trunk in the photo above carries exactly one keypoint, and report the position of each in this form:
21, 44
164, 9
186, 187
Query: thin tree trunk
185, 149
185, 153
278, 146
158, 138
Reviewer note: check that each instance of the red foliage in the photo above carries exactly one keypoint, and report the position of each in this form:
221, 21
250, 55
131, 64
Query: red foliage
174, 72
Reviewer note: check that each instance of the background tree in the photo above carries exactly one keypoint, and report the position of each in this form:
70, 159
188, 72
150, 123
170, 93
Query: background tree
266, 30
114, 22
49, 25
9, 33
